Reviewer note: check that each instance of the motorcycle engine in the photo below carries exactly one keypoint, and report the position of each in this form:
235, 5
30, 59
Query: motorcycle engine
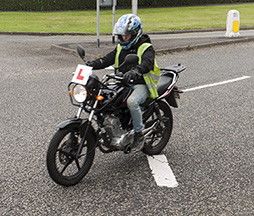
117, 137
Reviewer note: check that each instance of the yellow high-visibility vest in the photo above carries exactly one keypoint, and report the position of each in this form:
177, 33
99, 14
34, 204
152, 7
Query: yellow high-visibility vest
152, 77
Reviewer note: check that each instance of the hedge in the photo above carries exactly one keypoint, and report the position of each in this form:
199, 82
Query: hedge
55, 5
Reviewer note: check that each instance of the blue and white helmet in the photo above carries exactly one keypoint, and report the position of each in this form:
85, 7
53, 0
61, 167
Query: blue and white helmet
128, 24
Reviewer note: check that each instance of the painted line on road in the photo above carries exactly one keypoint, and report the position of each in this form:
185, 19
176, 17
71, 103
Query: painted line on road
216, 84
161, 171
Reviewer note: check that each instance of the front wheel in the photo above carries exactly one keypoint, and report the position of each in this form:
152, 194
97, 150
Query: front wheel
158, 139
63, 166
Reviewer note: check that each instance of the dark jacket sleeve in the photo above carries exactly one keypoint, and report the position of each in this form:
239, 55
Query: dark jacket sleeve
147, 62
104, 61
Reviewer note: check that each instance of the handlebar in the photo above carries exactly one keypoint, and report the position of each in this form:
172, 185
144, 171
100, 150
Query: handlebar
120, 78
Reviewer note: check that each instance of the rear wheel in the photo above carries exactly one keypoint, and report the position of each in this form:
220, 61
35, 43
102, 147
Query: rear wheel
158, 139
63, 166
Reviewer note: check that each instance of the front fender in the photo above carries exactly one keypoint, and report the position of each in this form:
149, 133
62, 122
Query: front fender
80, 124
75, 123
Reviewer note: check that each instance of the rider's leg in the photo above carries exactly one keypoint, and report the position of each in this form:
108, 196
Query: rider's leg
137, 97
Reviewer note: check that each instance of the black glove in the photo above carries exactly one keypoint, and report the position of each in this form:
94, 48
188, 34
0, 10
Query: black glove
90, 63
131, 75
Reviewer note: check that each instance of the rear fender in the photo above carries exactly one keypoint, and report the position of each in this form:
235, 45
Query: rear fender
173, 97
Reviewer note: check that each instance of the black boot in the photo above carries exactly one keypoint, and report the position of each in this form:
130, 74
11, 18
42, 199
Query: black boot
138, 143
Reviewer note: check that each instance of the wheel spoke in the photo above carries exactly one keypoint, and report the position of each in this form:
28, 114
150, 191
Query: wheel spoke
66, 165
77, 163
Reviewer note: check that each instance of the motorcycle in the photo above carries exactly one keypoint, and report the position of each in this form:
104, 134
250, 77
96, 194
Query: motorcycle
108, 126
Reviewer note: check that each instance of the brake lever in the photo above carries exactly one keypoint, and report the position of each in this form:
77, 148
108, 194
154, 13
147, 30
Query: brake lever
140, 74
118, 78
114, 76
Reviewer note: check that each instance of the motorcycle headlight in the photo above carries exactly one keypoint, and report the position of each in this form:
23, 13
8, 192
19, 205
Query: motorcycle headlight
79, 93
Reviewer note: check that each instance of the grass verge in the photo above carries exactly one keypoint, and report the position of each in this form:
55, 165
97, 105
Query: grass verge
154, 19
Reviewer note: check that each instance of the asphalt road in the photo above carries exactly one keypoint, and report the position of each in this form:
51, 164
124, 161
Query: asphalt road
210, 151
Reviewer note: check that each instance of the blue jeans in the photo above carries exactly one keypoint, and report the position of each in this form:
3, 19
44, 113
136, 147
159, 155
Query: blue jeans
137, 97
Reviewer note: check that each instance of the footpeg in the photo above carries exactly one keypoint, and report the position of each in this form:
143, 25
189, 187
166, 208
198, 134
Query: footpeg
127, 149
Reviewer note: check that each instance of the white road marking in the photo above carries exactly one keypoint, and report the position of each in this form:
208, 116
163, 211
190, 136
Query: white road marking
215, 84
161, 171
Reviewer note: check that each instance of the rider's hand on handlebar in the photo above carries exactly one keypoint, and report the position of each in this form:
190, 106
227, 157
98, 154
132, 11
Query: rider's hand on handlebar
90, 63
131, 75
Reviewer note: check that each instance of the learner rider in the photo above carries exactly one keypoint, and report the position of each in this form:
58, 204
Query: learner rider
144, 76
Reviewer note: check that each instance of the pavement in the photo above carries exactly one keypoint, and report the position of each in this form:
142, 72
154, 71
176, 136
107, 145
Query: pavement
163, 42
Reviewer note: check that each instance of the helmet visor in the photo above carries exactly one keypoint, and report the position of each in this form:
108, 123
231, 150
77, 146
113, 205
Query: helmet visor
118, 30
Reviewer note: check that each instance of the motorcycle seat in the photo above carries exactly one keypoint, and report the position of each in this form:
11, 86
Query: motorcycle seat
164, 81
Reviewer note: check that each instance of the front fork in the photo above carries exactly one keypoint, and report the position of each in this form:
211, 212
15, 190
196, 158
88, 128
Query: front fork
88, 124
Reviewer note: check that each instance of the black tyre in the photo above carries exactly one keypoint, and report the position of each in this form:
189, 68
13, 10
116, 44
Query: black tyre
156, 142
62, 166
